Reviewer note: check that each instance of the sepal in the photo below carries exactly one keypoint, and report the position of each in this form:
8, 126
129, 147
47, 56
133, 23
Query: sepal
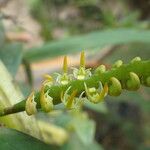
30, 106
46, 101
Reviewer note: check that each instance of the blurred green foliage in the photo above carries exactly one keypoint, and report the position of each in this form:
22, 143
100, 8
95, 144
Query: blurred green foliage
82, 16
11, 139
94, 41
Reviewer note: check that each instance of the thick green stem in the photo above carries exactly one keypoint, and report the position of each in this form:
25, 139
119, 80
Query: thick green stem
141, 68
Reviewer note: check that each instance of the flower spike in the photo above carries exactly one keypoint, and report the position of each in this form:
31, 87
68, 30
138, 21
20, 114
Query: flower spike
46, 101
30, 106
81, 73
96, 95
112, 81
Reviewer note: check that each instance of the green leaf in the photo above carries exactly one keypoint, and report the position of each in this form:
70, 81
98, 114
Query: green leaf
10, 95
127, 53
79, 123
84, 127
11, 139
2, 35
11, 55
76, 144
91, 41
101, 107
140, 97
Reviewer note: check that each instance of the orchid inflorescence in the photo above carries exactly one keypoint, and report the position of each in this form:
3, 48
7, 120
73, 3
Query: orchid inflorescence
84, 84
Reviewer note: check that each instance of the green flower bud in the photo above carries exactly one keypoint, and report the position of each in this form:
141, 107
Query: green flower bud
100, 69
133, 83
117, 64
148, 81
114, 87
136, 59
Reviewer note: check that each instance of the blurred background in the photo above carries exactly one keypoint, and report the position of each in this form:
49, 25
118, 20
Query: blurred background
34, 37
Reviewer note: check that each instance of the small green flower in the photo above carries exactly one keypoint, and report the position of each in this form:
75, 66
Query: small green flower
70, 100
64, 78
81, 73
96, 95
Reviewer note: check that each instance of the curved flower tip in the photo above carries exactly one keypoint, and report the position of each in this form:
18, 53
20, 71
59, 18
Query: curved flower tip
46, 101
30, 106
104, 91
71, 101
65, 65
82, 59
49, 80
96, 95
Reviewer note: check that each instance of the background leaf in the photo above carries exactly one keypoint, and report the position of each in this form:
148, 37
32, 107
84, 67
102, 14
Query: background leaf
11, 55
11, 139
76, 144
84, 127
101, 107
95, 40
